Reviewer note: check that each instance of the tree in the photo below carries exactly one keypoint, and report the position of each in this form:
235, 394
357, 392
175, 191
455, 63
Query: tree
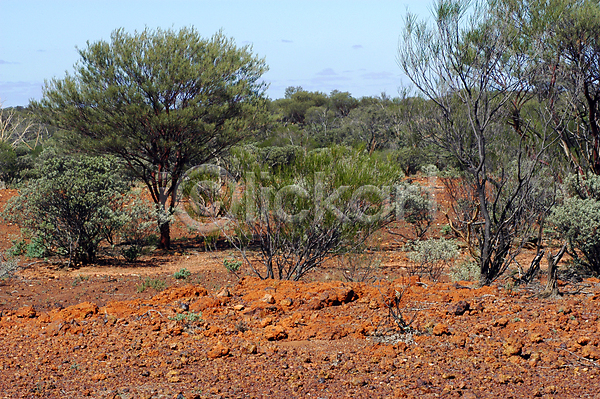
471, 65
575, 70
160, 101
74, 206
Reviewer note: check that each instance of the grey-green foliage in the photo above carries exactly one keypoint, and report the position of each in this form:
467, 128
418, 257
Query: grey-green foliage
154, 283
135, 225
414, 206
577, 219
430, 257
182, 274
72, 207
464, 271
8, 265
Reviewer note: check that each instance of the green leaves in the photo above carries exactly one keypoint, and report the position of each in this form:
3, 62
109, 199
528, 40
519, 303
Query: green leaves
161, 101
72, 207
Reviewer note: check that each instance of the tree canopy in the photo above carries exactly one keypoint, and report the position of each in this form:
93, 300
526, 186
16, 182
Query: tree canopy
161, 101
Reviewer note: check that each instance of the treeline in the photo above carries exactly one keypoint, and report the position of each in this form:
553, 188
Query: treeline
504, 109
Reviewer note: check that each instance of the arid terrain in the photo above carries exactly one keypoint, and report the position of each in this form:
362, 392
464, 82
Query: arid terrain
103, 331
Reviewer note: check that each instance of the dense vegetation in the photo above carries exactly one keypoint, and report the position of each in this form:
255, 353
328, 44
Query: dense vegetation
505, 111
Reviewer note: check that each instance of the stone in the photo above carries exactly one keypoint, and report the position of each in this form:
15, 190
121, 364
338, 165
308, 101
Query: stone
501, 322
286, 302
441, 329
268, 298
275, 333
218, 351
512, 348
583, 341
590, 352
27, 312
459, 308
99, 377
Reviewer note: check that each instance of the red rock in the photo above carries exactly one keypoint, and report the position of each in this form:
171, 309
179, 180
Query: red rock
590, 352
275, 333
26, 312
79, 312
441, 329
175, 293
217, 351
99, 377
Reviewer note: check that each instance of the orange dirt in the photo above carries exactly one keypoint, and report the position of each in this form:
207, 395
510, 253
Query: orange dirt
88, 332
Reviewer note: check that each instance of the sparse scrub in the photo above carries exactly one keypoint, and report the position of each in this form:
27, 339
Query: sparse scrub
8, 265
360, 266
155, 284
187, 317
429, 258
325, 202
464, 271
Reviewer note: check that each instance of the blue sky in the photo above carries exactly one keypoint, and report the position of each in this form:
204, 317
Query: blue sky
320, 45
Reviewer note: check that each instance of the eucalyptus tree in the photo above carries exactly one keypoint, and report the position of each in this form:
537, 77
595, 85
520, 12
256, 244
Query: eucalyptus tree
575, 71
467, 65
160, 101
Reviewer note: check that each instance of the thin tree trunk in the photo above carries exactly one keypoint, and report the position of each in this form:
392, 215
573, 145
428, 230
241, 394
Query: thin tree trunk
551, 286
165, 236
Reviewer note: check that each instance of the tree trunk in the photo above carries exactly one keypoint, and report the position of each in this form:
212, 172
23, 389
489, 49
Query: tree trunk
551, 287
534, 268
165, 236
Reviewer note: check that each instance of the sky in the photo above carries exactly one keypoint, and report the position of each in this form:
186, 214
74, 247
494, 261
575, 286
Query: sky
320, 45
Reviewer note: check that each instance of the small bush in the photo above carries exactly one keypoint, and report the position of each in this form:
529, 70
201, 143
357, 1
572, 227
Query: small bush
183, 274
71, 208
577, 219
187, 317
156, 284
429, 258
464, 271
8, 265
232, 265
211, 239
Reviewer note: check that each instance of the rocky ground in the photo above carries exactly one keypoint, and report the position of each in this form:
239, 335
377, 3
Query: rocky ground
104, 332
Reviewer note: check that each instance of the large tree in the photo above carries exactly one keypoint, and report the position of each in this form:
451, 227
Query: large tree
161, 101
473, 66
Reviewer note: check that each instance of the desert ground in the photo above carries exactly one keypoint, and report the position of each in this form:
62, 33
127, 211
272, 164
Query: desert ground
109, 330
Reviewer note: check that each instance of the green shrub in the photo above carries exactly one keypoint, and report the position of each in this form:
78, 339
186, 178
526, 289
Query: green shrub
324, 203
182, 274
155, 284
577, 219
187, 317
429, 258
464, 271
72, 207
232, 265
8, 265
